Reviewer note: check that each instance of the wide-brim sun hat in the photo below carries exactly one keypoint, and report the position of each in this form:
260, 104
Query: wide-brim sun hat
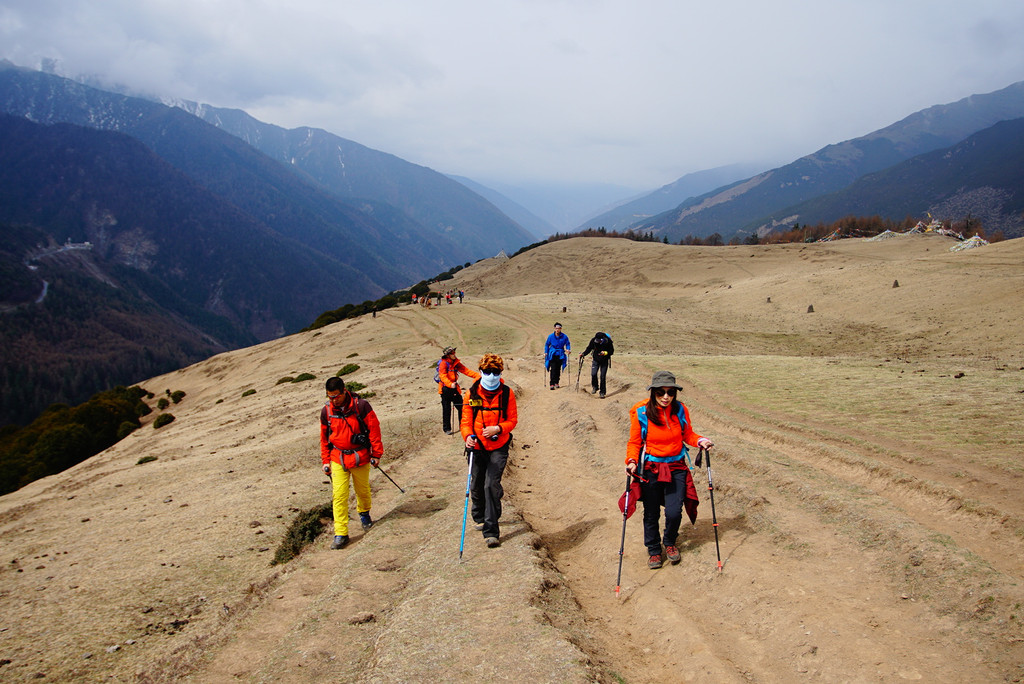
663, 379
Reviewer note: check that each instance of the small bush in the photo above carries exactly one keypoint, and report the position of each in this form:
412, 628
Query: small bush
285, 379
163, 419
163, 403
348, 368
126, 428
248, 392
304, 529
352, 354
302, 377
145, 459
354, 386
219, 401
177, 396
366, 395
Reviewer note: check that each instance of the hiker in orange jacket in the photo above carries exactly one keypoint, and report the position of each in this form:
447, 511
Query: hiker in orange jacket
487, 425
349, 444
659, 434
448, 369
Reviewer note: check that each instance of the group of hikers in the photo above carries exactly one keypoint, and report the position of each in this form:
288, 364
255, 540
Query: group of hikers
425, 300
656, 461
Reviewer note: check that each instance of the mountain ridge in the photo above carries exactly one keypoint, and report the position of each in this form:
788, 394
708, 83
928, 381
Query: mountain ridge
726, 210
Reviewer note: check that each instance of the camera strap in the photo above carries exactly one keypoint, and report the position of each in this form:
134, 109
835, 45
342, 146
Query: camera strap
362, 407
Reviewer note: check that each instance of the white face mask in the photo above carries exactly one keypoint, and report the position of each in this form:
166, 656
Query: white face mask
490, 382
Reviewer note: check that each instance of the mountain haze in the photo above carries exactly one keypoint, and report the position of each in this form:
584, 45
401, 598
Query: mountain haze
728, 209
466, 224
670, 196
981, 178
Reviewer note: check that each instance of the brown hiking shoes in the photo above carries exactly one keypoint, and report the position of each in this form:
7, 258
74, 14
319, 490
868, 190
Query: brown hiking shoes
672, 553
655, 562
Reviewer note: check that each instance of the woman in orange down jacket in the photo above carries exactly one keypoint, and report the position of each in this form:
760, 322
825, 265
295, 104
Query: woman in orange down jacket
488, 418
659, 433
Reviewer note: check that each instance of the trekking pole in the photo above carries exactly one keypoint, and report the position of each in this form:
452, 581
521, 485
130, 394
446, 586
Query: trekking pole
389, 477
578, 371
465, 508
711, 488
622, 544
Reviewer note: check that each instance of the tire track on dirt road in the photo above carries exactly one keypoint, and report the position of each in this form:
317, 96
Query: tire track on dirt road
762, 619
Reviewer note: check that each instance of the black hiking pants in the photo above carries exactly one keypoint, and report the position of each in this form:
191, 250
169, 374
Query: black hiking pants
598, 368
556, 369
450, 397
485, 489
654, 495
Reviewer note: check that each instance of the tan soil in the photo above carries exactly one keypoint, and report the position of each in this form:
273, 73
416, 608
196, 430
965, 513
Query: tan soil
870, 522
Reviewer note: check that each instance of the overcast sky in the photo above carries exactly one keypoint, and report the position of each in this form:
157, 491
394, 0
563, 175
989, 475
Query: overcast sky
634, 92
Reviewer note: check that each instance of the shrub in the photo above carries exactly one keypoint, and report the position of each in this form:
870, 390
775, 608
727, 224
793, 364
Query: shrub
163, 403
126, 428
352, 354
248, 392
354, 386
285, 379
145, 459
163, 419
348, 368
177, 396
303, 530
302, 377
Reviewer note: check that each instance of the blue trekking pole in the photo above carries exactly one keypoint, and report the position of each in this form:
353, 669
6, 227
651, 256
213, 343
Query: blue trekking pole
465, 509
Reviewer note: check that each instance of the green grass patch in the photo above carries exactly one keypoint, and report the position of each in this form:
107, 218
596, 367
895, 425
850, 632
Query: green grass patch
145, 459
348, 368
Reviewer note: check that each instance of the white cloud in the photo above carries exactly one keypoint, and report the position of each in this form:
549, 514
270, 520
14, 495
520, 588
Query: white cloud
573, 90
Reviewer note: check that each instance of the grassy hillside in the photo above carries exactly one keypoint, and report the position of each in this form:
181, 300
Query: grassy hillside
866, 465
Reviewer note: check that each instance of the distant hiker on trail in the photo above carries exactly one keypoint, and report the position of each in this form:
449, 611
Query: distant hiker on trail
461, 295
487, 425
448, 369
413, 297
556, 354
349, 444
603, 349
659, 433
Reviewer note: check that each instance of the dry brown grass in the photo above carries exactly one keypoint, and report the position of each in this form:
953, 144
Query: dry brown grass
854, 471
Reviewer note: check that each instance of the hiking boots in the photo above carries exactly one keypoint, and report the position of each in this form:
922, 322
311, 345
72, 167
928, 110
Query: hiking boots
340, 541
655, 562
602, 395
364, 519
492, 542
478, 526
672, 553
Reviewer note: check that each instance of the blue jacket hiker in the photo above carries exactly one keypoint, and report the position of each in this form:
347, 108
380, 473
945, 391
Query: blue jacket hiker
556, 354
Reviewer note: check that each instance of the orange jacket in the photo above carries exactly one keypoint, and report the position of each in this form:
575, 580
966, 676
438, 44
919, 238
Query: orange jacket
662, 440
487, 412
337, 428
449, 371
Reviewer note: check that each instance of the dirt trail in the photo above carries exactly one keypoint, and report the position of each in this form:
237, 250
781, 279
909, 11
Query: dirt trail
799, 597
853, 550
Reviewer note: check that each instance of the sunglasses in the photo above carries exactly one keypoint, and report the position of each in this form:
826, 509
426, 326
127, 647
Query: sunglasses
662, 391
490, 371
336, 395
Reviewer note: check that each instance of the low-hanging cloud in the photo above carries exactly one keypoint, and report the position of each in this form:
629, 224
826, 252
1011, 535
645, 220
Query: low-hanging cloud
630, 93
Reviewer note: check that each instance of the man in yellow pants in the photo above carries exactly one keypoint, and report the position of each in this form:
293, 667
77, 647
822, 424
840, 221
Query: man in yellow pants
349, 444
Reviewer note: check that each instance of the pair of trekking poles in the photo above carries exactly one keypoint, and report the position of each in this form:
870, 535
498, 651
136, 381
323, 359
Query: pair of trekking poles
702, 453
